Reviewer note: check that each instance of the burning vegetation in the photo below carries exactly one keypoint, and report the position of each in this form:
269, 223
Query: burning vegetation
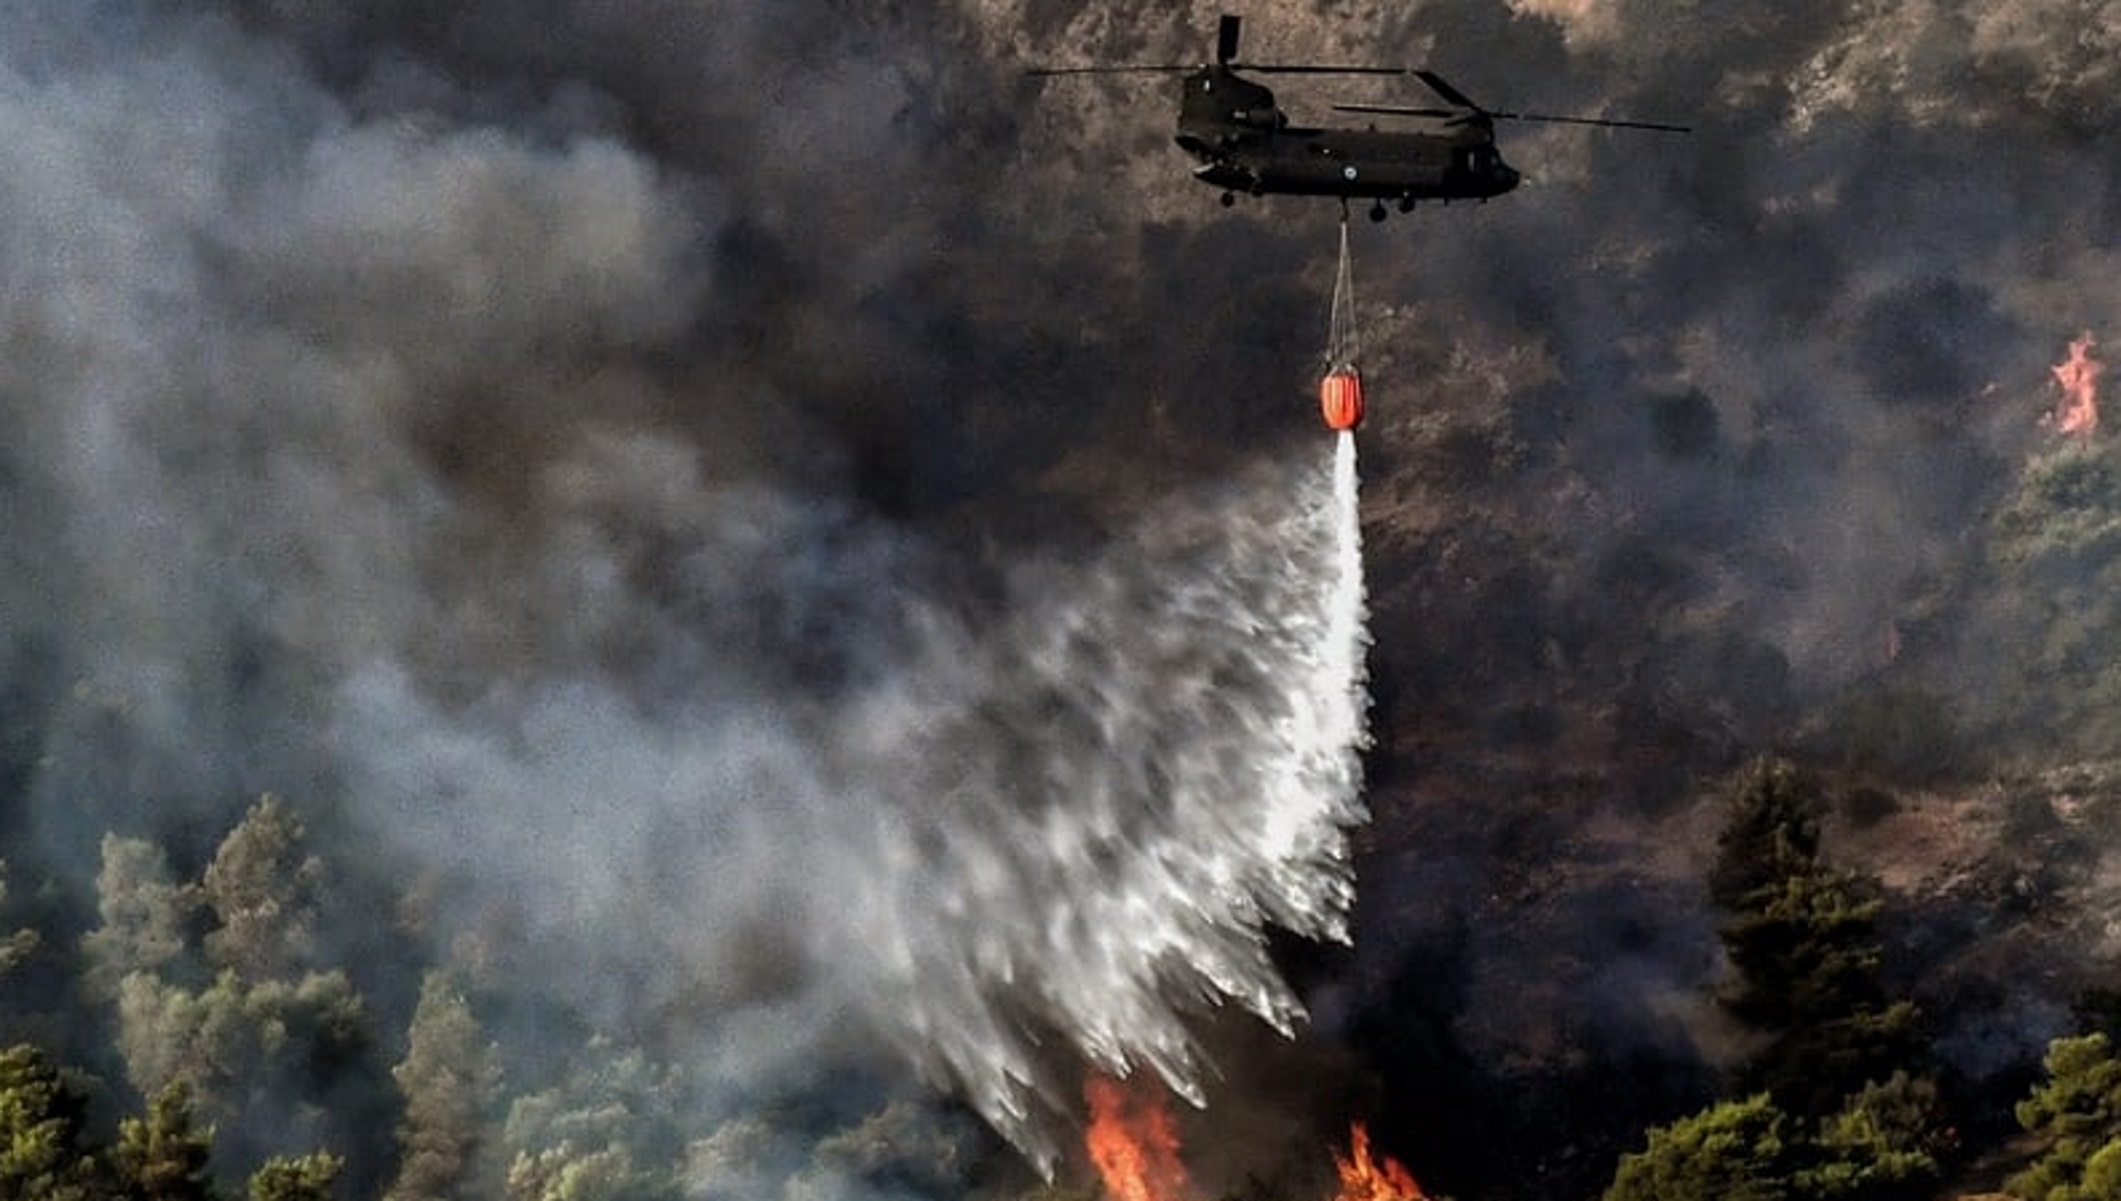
1132, 1140
2077, 413
1363, 1177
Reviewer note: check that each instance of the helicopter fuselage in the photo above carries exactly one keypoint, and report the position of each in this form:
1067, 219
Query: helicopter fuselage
1244, 144
1354, 163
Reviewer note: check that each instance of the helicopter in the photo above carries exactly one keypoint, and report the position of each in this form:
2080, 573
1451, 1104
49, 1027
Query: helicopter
1244, 143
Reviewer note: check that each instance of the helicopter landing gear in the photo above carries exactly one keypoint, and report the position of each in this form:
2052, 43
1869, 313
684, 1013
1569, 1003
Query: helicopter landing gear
1377, 211
1229, 198
1406, 204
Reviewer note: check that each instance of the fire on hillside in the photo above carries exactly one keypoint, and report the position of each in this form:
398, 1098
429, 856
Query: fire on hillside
1133, 1141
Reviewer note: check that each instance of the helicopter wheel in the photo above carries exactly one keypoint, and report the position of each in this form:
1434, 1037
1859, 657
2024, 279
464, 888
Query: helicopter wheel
1229, 198
1406, 204
1377, 211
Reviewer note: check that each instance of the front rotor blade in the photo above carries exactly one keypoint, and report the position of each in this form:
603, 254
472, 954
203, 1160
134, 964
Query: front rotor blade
1611, 123
1399, 111
1437, 85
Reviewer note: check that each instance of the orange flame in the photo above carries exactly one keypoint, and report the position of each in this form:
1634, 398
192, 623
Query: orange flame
1364, 1179
2078, 376
1134, 1142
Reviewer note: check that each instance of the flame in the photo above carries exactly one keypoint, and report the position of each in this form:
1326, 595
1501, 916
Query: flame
1364, 1179
2078, 376
1134, 1142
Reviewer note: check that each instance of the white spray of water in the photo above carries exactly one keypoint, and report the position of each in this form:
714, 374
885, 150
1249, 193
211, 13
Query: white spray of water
1063, 831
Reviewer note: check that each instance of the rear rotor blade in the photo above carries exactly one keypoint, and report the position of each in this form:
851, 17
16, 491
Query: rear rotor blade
1156, 69
1314, 69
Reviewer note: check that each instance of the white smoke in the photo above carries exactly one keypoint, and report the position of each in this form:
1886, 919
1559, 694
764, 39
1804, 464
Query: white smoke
1074, 815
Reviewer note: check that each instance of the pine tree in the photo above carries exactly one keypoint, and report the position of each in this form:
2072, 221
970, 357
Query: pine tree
449, 1077
300, 1178
164, 1156
1804, 941
1772, 833
261, 887
604, 1133
1735, 1151
2077, 1109
44, 1155
237, 1013
1885, 1145
145, 916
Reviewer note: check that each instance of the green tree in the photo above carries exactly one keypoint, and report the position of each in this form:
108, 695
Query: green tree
164, 1156
603, 1134
2077, 1110
215, 984
1884, 1145
145, 916
44, 1154
262, 887
1734, 1151
1810, 975
449, 1077
1803, 939
296, 1178
2055, 545
1771, 834
1806, 950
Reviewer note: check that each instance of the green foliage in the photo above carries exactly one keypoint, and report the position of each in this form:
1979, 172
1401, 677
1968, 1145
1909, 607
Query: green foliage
239, 1017
261, 887
1812, 1068
449, 1077
1884, 1145
1806, 947
1804, 941
1773, 831
164, 1156
2067, 508
2077, 1110
597, 1136
2055, 545
899, 1144
567, 1173
145, 916
296, 1178
1734, 1151
44, 1155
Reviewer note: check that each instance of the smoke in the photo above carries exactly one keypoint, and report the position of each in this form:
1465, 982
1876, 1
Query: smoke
947, 833
375, 423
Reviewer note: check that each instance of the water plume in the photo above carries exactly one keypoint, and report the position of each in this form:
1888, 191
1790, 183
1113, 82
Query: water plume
1064, 820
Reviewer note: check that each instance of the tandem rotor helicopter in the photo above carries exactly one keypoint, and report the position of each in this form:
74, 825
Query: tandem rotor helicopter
1246, 145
